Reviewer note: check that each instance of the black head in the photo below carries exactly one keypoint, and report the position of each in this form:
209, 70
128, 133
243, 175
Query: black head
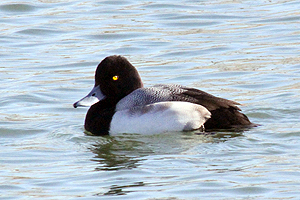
117, 77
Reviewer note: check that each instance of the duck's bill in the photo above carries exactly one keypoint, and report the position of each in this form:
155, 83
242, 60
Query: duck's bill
93, 97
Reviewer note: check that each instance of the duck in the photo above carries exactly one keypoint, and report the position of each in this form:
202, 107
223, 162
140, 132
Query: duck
119, 103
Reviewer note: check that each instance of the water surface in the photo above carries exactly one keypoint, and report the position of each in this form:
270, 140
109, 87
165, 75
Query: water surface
246, 51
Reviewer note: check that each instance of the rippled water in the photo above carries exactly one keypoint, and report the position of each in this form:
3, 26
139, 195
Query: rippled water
247, 51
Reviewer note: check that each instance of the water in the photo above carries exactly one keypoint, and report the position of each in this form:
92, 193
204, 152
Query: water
247, 51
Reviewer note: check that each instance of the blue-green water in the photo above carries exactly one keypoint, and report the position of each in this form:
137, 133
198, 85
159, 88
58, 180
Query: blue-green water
247, 51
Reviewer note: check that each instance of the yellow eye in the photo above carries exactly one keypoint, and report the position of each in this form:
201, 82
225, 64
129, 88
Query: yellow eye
115, 78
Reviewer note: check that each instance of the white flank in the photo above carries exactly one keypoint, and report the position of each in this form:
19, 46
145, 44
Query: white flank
159, 117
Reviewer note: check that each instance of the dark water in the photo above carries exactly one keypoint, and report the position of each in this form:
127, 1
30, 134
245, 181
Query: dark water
247, 51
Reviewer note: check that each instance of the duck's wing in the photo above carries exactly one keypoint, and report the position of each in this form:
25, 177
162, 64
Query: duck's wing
210, 102
224, 113
172, 92
146, 96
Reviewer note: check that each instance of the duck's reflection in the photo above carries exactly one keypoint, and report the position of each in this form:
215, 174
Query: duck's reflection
119, 153
128, 150
121, 190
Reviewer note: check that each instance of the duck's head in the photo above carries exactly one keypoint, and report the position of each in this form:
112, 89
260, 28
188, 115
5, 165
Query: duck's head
115, 78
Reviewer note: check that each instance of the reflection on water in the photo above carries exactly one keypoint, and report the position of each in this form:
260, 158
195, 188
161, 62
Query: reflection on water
127, 151
119, 190
130, 152
118, 154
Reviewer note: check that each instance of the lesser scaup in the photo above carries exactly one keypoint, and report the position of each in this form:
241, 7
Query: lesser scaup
120, 104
